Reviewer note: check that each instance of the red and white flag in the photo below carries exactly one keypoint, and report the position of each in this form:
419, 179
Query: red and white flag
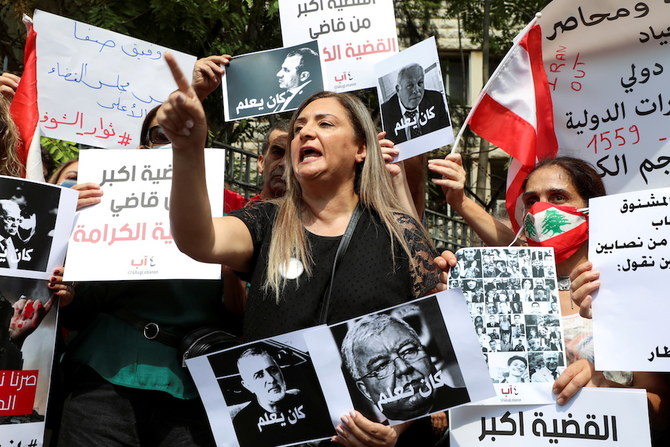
514, 112
25, 112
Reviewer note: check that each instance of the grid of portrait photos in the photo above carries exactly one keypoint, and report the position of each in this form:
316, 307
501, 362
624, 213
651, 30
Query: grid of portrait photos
512, 296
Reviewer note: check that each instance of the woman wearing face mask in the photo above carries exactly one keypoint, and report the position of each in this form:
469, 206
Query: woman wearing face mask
559, 189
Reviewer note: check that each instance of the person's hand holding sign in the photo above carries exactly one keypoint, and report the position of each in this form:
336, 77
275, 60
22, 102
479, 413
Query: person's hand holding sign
181, 116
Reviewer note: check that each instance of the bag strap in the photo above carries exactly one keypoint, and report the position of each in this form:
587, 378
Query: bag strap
339, 254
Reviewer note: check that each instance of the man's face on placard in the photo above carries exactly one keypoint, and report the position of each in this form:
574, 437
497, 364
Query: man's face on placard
11, 217
394, 359
410, 87
289, 73
262, 377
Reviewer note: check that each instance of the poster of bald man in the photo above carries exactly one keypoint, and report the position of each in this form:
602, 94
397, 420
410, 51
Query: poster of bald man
414, 109
271, 81
264, 393
35, 224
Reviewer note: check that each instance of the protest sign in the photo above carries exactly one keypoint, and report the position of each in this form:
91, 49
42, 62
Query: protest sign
263, 393
352, 36
26, 354
271, 81
96, 86
633, 257
434, 338
513, 300
36, 224
593, 417
130, 228
609, 98
413, 104
327, 363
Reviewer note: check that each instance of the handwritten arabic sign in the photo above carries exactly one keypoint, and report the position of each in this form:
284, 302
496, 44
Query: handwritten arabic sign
413, 104
513, 301
320, 376
594, 417
271, 81
96, 86
611, 104
130, 228
633, 257
352, 34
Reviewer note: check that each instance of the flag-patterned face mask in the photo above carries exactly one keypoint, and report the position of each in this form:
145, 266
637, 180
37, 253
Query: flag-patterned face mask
565, 228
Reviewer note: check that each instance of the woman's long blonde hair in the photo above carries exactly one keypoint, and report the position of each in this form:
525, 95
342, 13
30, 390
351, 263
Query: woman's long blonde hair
9, 142
372, 184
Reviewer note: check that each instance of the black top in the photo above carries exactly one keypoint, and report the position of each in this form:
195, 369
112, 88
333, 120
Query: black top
367, 278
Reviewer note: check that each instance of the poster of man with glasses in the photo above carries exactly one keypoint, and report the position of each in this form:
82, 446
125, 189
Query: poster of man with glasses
400, 363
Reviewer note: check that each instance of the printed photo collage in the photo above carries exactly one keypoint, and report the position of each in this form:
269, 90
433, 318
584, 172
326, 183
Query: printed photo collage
513, 301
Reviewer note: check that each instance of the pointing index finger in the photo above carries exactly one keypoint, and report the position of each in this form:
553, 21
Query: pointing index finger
183, 84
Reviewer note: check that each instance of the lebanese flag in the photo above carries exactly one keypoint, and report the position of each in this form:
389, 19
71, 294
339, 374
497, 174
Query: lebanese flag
24, 110
515, 112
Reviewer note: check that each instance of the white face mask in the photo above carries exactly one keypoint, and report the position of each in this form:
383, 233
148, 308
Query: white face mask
163, 146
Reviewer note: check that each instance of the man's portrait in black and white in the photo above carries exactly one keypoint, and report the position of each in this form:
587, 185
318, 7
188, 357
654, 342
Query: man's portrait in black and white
272, 393
400, 365
28, 214
272, 81
413, 110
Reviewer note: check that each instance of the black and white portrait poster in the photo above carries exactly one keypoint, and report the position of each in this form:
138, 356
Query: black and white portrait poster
27, 339
264, 393
35, 224
405, 362
512, 295
413, 105
271, 81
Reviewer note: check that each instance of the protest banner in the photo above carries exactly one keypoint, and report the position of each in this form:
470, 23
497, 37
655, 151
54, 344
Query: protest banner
325, 362
414, 108
609, 99
352, 36
593, 417
513, 300
36, 224
96, 86
633, 257
130, 228
253, 89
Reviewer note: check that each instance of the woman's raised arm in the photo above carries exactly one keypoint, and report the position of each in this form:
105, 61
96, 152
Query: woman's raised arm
224, 240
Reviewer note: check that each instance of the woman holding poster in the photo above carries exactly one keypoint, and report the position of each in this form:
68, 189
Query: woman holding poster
288, 246
563, 187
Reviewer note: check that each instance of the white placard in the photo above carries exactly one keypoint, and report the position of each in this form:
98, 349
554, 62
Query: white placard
263, 393
418, 92
512, 297
593, 417
610, 95
630, 327
130, 228
352, 36
96, 86
450, 370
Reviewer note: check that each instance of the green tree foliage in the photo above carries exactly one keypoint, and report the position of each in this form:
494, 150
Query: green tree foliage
507, 18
